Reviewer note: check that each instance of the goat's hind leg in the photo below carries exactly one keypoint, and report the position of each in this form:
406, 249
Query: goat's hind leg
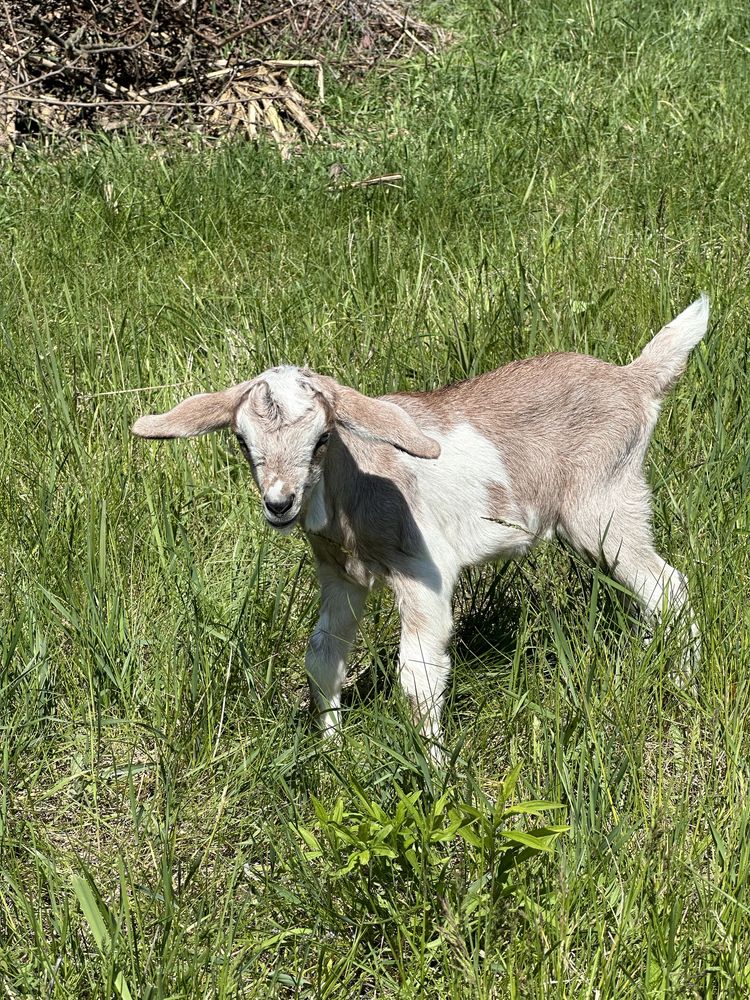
622, 538
662, 591
342, 604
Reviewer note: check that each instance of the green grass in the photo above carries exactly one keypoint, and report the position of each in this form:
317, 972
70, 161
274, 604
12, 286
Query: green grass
573, 176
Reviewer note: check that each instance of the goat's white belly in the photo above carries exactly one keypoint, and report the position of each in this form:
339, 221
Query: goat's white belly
474, 541
454, 506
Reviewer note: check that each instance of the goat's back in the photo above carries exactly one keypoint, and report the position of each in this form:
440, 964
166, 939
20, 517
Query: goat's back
550, 417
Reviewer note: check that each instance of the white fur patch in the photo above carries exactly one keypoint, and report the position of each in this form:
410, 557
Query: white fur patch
458, 523
246, 427
276, 491
533, 524
652, 414
316, 516
289, 391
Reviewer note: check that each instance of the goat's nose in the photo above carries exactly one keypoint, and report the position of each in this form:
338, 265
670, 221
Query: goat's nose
279, 507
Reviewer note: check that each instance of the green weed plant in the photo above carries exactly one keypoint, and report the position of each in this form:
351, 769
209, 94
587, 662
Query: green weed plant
573, 176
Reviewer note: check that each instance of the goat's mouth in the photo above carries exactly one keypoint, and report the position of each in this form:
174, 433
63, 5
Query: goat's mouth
280, 525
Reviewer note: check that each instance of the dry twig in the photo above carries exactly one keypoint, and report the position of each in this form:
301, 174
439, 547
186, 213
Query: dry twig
74, 66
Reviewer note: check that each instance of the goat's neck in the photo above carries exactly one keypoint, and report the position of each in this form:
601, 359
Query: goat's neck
333, 518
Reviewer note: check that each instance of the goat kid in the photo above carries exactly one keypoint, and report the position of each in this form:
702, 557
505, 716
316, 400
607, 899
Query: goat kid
411, 488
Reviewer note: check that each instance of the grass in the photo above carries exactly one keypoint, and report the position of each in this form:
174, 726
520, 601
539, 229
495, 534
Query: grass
573, 176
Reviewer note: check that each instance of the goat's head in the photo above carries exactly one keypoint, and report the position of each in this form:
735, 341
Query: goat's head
283, 420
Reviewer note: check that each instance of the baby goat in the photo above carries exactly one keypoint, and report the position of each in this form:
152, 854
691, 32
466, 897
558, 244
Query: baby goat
410, 488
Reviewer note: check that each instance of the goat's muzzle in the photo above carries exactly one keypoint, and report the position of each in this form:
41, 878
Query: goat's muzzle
276, 509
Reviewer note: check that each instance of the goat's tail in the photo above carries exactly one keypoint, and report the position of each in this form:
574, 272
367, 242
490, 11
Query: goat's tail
664, 358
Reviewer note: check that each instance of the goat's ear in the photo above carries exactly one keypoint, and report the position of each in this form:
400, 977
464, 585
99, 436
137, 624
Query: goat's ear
208, 411
380, 420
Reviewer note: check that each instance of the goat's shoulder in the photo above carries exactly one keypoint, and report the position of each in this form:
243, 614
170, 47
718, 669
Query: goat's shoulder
369, 500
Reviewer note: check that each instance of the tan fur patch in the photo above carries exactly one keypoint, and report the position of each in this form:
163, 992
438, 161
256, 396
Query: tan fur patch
557, 421
208, 411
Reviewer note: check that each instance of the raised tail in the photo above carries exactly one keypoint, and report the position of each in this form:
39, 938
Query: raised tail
664, 358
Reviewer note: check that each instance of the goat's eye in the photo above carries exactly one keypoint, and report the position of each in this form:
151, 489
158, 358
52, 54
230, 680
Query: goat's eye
322, 440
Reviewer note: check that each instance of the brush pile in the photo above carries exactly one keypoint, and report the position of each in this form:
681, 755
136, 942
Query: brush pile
70, 66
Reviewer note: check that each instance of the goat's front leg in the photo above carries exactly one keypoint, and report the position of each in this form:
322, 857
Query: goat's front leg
342, 604
426, 626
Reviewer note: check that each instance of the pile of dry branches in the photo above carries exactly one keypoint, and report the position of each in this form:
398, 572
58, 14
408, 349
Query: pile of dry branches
104, 64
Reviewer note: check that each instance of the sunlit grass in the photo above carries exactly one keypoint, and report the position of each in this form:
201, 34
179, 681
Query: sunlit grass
573, 177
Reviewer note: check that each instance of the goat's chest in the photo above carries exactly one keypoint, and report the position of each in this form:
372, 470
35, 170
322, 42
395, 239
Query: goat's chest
346, 561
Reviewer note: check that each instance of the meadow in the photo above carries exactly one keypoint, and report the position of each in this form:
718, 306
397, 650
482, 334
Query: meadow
170, 824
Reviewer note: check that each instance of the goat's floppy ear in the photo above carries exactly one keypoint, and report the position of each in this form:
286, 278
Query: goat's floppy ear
208, 411
380, 420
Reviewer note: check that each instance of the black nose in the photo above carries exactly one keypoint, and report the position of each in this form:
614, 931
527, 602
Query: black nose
279, 507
